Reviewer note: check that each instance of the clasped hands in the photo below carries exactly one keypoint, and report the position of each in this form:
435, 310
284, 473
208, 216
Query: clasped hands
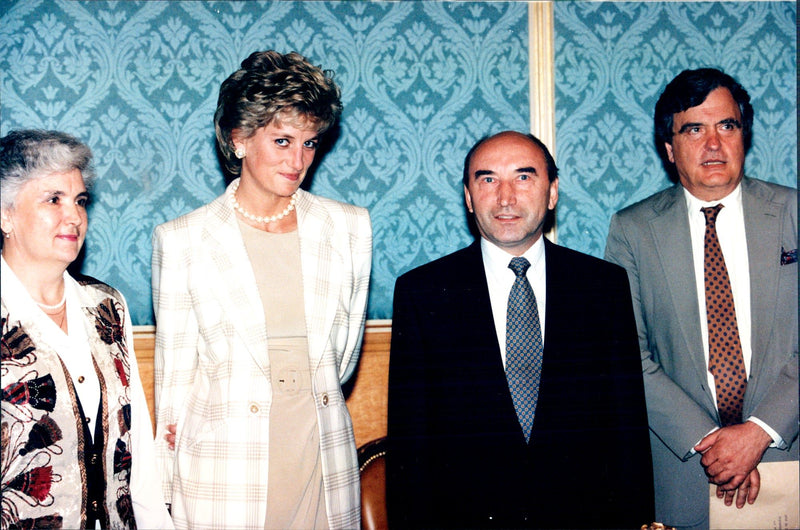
730, 457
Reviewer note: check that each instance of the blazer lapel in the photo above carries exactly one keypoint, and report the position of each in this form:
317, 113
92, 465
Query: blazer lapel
231, 280
670, 230
762, 229
322, 270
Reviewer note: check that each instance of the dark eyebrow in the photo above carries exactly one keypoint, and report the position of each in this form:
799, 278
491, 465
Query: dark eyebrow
60, 193
687, 126
727, 121
482, 172
731, 121
288, 136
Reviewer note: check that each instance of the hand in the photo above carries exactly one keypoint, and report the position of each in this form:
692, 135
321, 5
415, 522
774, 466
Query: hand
731, 453
170, 436
748, 491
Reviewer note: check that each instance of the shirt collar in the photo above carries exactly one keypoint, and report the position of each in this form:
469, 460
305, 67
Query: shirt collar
496, 259
730, 201
19, 302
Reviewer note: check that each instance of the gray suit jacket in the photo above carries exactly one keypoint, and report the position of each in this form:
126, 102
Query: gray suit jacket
651, 240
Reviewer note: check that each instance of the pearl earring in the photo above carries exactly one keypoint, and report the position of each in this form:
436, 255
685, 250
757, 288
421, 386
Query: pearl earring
240, 153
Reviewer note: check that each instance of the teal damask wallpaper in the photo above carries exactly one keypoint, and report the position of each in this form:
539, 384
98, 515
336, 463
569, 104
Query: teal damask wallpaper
613, 59
421, 81
138, 82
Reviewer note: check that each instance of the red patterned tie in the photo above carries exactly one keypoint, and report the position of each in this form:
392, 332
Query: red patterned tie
725, 361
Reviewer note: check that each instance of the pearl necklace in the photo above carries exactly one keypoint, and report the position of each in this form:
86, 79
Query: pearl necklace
62, 311
52, 307
257, 219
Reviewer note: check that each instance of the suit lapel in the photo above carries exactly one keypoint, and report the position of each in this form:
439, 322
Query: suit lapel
554, 304
466, 287
472, 279
762, 229
670, 230
481, 340
322, 270
229, 276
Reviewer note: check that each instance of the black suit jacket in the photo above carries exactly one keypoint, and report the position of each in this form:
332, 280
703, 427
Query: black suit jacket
457, 455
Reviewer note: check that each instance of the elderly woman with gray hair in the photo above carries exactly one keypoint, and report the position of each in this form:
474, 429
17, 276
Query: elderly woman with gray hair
260, 300
77, 446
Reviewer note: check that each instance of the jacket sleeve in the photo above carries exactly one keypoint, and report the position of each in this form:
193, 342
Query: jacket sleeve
176, 357
778, 406
360, 240
408, 468
149, 508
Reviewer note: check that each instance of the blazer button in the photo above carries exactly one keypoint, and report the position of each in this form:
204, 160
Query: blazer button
93, 459
94, 505
324, 400
254, 408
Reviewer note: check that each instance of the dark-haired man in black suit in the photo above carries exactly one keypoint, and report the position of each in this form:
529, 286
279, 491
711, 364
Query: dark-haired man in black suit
491, 425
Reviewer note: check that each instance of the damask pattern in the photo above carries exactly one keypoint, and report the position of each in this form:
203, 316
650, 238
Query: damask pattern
138, 82
421, 82
613, 59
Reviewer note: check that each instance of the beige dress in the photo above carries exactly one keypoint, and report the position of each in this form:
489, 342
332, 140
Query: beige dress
295, 496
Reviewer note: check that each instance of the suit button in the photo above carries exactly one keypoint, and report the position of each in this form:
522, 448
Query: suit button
81, 379
94, 505
93, 459
324, 400
254, 408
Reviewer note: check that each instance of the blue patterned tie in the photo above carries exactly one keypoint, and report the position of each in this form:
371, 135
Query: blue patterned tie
523, 346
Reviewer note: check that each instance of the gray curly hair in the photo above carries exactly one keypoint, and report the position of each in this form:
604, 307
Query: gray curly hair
30, 154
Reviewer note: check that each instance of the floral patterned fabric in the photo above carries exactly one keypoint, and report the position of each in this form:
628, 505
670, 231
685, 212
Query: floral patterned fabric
43, 476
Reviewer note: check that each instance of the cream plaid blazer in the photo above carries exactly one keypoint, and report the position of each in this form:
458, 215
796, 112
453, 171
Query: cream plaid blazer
212, 364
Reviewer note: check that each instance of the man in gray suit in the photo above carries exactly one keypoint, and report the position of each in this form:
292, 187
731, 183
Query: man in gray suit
711, 323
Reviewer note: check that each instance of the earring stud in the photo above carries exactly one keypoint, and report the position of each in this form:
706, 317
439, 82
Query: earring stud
240, 153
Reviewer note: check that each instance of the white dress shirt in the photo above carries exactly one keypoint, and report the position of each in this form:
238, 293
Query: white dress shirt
500, 280
733, 243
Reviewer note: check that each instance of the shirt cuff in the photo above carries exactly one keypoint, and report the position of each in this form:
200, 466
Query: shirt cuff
777, 440
692, 451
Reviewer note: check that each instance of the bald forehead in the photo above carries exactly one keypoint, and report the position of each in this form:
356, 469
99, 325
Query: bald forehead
507, 138
503, 148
